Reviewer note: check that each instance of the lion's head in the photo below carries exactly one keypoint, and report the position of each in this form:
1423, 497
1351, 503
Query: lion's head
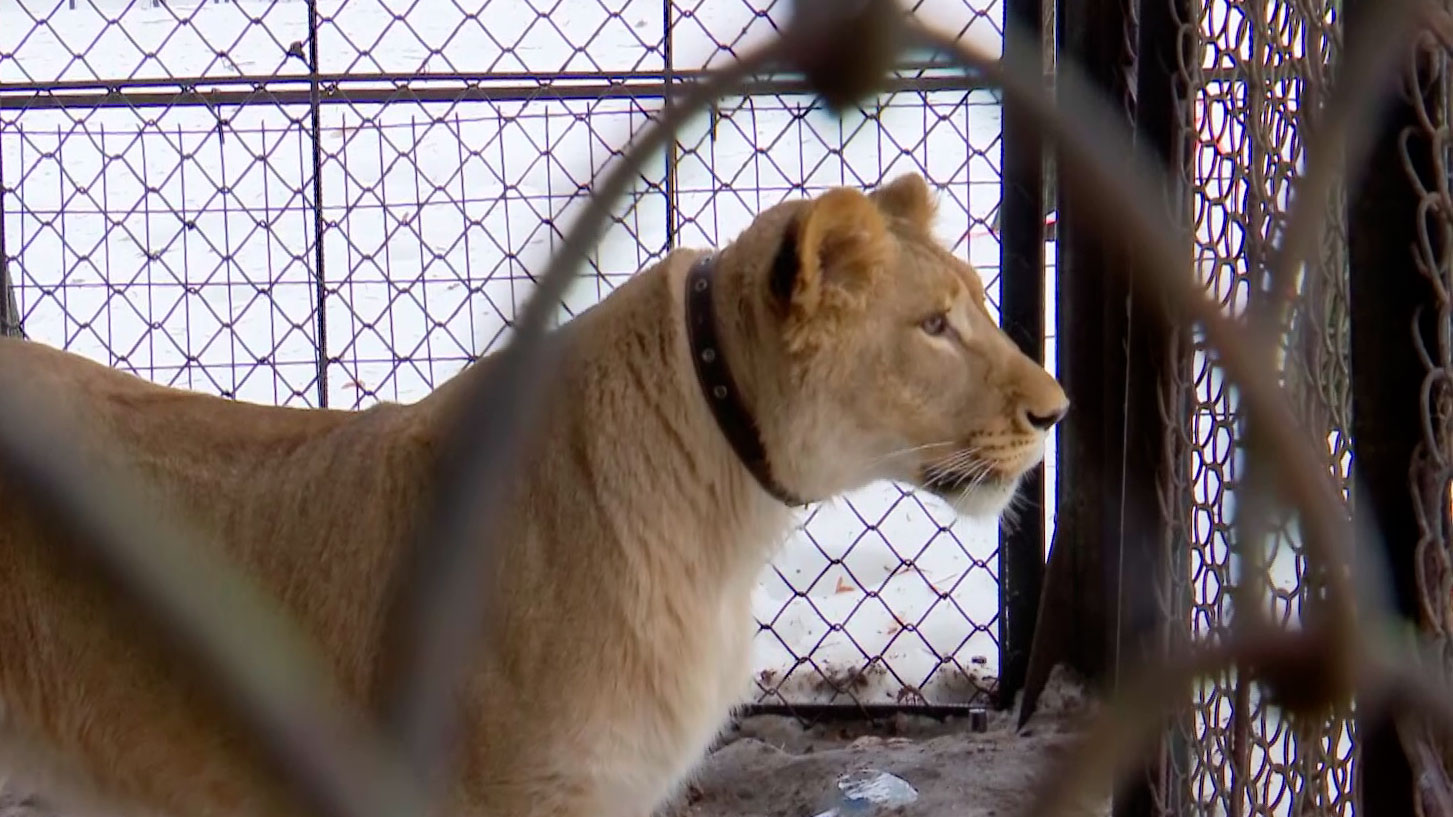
872, 354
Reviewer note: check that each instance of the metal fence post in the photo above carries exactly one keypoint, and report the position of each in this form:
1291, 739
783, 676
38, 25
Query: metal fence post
1021, 309
1118, 353
1075, 619
673, 149
1158, 394
318, 224
1391, 303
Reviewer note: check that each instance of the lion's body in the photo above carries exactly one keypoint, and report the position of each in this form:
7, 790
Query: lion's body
621, 622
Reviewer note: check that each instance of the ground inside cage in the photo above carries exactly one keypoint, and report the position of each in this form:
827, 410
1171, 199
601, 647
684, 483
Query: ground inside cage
777, 766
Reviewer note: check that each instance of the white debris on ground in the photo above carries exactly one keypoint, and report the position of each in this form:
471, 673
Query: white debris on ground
770, 766
866, 789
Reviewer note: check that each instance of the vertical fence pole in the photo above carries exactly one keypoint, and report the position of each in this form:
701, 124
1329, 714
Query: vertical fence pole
1102, 612
1021, 310
1158, 396
315, 130
1387, 293
1075, 621
673, 148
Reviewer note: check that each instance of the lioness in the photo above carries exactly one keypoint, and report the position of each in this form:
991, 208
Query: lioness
833, 343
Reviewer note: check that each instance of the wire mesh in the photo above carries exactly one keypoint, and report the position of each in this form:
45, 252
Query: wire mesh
885, 597
1264, 70
1431, 474
277, 248
339, 219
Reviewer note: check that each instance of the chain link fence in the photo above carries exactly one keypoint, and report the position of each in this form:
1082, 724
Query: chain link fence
335, 203
340, 202
1263, 74
1425, 158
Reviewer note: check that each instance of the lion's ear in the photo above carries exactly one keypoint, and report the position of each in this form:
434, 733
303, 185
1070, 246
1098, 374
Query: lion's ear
829, 251
909, 198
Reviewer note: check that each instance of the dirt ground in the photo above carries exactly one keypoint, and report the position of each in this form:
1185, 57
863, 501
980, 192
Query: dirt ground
770, 766
777, 767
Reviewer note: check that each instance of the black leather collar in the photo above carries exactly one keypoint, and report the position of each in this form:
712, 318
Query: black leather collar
721, 393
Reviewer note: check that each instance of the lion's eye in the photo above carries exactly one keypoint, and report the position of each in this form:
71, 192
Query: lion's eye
934, 324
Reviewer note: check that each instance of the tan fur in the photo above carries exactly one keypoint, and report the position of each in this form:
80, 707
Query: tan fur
621, 635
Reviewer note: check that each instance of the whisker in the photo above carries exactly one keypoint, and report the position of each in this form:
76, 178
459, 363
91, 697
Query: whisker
965, 470
870, 462
909, 450
956, 459
972, 463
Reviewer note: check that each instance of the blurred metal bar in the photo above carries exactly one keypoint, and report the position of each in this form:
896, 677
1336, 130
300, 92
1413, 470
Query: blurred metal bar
1021, 312
1391, 302
1254, 485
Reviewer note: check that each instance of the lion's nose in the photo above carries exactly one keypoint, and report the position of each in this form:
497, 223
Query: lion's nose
1048, 420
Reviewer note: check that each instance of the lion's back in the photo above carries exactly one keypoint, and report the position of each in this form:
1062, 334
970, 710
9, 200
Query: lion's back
81, 668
